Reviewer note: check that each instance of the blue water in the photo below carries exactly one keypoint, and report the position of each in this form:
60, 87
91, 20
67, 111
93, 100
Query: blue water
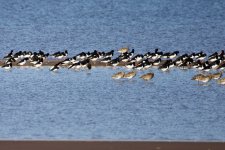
38, 104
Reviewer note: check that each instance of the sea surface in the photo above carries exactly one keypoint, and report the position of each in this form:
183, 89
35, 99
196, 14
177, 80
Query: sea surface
89, 104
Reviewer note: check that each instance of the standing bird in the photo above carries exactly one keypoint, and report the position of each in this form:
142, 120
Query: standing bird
7, 66
118, 75
55, 67
123, 50
23, 61
221, 81
130, 75
147, 76
9, 55
114, 62
39, 63
216, 76
202, 78
60, 55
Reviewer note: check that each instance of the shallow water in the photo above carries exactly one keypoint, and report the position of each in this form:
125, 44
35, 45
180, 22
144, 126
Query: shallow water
38, 104
91, 105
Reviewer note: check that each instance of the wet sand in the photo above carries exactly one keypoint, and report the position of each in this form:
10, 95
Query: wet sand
110, 145
52, 62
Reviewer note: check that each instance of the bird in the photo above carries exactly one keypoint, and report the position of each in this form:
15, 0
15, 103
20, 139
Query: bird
157, 54
9, 55
66, 61
164, 67
84, 63
94, 57
81, 56
7, 66
147, 76
76, 65
114, 62
221, 81
55, 67
130, 65
157, 62
173, 54
109, 54
23, 61
139, 66
202, 78
123, 50
10, 60
118, 75
106, 60
221, 66
147, 64
39, 63
137, 58
216, 76
206, 67
200, 56
215, 64
130, 75
60, 55
124, 58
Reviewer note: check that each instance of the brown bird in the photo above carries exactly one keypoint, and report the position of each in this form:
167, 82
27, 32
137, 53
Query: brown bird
130, 75
202, 78
216, 76
123, 50
147, 76
118, 75
221, 81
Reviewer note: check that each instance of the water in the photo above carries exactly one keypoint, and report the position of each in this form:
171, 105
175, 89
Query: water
77, 26
38, 104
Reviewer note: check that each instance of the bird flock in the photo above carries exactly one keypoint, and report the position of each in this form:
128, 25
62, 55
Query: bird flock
210, 66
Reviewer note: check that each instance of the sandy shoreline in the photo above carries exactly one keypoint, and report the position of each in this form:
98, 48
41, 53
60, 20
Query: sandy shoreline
52, 62
109, 145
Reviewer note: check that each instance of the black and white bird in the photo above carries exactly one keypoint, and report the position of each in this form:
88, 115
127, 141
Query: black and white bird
137, 58
60, 55
130, 65
55, 67
84, 63
75, 66
114, 62
173, 54
146, 64
200, 56
66, 61
106, 60
39, 63
165, 67
23, 61
7, 66
140, 66
82, 56
157, 62
9, 55
109, 54
10, 60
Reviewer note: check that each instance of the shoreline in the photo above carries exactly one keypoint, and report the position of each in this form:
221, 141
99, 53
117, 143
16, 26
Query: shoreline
52, 62
109, 145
